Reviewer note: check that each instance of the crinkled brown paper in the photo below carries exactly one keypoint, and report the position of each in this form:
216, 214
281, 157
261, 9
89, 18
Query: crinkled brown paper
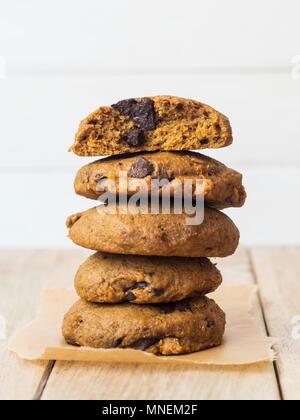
244, 342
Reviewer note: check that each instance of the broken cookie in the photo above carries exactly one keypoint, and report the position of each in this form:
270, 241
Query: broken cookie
164, 123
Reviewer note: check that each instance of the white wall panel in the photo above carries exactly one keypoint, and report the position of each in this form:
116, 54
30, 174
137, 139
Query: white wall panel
64, 58
39, 115
171, 34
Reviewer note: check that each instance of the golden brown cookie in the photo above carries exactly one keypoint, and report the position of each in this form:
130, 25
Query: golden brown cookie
108, 278
160, 234
171, 328
151, 124
223, 186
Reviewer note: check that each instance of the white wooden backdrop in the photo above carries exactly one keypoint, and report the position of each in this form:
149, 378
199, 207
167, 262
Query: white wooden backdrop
61, 59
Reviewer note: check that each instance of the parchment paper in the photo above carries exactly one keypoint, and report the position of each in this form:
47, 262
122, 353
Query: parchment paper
244, 342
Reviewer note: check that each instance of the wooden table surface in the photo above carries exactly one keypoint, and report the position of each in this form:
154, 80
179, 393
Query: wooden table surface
24, 273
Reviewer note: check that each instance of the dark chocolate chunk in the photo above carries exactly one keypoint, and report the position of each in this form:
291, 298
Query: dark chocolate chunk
144, 114
141, 112
129, 297
125, 107
218, 127
204, 141
145, 343
93, 122
168, 308
72, 342
117, 342
210, 322
141, 168
158, 292
134, 137
179, 107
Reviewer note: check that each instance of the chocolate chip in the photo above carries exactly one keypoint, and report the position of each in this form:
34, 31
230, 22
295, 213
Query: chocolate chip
141, 168
141, 112
117, 342
204, 141
134, 137
84, 138
168, 308
210, 322
93, 122
145, 343
125, 107
72, 342
158, 292
179, 107
129, 297
229, 200
144, 114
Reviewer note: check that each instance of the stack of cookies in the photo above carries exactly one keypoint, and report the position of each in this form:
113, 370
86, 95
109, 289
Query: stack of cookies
145, 288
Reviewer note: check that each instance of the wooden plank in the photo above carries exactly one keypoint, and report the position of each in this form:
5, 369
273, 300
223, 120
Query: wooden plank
83, 381
23, 274
18, 379
106, 381
278, 272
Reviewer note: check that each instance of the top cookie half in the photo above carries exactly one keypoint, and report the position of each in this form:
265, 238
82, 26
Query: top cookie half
159, 123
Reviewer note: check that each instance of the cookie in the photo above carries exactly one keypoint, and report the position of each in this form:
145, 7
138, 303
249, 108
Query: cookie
107, 278
171, 328
149, 124
222, 186
153, 234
